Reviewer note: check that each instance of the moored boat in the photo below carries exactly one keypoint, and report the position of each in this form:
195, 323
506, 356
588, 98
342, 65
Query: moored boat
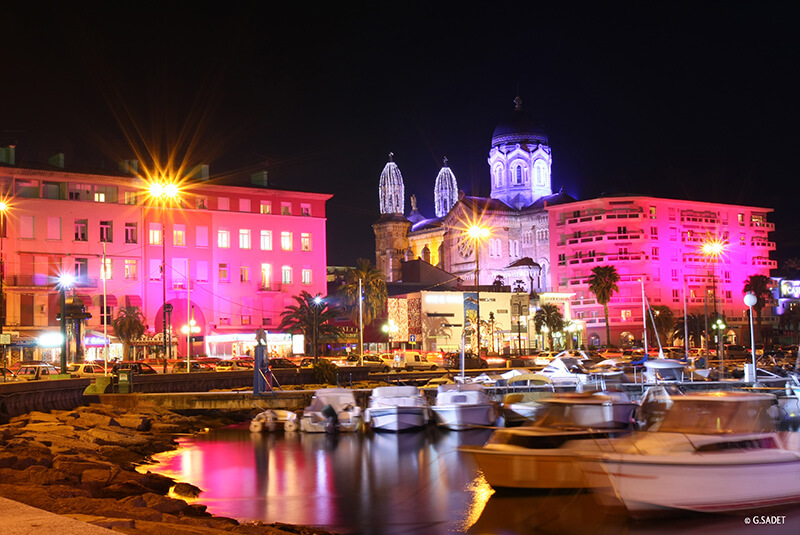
332, 410
397, 408
542, 455
274, 420
710, 452
463, 406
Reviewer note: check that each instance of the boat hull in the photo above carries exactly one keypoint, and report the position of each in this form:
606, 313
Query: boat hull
460, 416
518, 468
396, 419
707, 483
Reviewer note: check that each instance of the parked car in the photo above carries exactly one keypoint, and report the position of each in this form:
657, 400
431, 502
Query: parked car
231, 366
86, 369
8, 376
471, 361
138, 368
412, 360
374, 362
277, 363
36, 371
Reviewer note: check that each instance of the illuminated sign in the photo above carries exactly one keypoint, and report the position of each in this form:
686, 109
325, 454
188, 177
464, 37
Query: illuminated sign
444, 298
790, 289
53, 339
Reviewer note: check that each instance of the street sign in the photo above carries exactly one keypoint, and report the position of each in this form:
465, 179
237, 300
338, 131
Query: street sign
412, 338
5, 339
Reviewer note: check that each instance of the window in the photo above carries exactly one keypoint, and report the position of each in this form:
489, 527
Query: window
540, 172
652, 212
27, 188
305, 241
53, 228
517, 180
266, 275
81, 229
105, 194
105, 315
106, 231
305, 209
223, 273
154, 234
654, 232
202, 271
244, 274
223, 239
154, 271
246, 319
306, 276
131, 233
223, 203
130, 197
201, 203
498, 175
266, 240
655, 253
201, 236
676, 294
286, 274
740, 219
105, 269
130, 270
622, 230
179, 235
286, 208
244, 205
244, 238
51, 190
625, 315
286, 241
99, 196
180, 272
82, 269
266, 207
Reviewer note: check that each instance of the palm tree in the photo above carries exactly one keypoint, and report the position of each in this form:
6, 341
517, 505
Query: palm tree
373, 286
128, 326
603, 284
664, 321
790, 321
758, 285
548, 315
311, 316
695, 329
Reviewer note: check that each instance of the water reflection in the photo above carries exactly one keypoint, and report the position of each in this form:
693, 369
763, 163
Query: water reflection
392, 484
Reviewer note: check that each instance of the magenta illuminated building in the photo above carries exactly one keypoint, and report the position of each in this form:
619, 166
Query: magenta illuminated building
660, 242
235, 256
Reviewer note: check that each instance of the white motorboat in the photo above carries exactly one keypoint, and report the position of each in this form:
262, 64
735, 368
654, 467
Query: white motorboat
332, 410
397, 408
463, 406
710, 452
574, 372
542, 455
273, 420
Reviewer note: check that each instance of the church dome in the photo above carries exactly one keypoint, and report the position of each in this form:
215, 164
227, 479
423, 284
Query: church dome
519, 127
390, 189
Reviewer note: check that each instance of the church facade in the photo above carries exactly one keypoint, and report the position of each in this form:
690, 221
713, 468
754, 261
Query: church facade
513, 248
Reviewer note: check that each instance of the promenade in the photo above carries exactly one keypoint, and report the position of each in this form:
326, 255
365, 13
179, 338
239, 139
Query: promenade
20, 519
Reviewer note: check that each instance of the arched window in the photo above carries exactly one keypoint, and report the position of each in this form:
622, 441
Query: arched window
518, 175
498, 175
540, 172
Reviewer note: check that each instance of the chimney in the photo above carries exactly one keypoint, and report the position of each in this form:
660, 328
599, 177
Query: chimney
259, 179
129, 167
200, 172
57, 160
7, 155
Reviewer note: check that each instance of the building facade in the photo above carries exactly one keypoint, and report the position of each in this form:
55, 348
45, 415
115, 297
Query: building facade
659, 244
233, 256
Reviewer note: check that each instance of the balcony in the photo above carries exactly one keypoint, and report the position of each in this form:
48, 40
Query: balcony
271, 287
762, 224
46, 281
765, 262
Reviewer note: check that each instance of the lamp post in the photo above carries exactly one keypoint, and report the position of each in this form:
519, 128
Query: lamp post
712, 248
719, 325
164, 192
64, 283
317, 302
750, 300
478, 233
3, 208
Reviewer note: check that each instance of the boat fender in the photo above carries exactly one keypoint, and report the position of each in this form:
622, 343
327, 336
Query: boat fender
271, 421
256, 426
290, 426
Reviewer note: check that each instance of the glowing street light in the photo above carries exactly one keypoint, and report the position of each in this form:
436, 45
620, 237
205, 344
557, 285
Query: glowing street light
317, 302
750, 300
65, 282
720, 326
3, 208
478, 233
164, 192
713, 248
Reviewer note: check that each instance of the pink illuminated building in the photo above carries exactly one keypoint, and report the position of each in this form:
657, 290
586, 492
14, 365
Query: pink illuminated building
660, 242
237, 255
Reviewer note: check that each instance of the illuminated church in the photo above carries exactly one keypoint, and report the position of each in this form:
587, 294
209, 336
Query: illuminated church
516, 250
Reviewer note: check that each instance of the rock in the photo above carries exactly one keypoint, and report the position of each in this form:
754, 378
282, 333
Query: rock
121, 490
106, 437
39, 417
120, 456
138, 423
116, 524
186, 490
165, 504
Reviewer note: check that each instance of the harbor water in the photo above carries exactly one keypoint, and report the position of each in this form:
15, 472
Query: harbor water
404, 483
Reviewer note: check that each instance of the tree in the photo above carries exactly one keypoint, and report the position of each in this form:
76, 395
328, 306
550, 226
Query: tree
309, 317
664, 324
373, 286
603, 284
128, 326
548, 315
790, 321
758, 285
695, 326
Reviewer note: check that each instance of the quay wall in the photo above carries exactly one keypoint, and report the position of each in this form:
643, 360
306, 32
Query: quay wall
44, 395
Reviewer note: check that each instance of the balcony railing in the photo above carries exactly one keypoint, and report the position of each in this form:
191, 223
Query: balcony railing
43, 281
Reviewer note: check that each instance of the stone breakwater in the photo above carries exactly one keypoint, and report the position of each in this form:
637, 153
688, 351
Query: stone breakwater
82, 463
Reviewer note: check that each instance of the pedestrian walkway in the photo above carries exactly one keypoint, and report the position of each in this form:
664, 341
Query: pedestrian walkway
20, 519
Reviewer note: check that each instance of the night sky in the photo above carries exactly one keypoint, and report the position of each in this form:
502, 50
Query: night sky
681, 100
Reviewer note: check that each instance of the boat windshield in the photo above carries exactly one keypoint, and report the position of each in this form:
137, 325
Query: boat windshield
713, 416
578, 416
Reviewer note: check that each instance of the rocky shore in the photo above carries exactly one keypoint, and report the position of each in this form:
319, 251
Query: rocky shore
82, 464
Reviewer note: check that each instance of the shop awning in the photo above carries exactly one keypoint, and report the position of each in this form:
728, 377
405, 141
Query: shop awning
111, 300
133, 301
87, 301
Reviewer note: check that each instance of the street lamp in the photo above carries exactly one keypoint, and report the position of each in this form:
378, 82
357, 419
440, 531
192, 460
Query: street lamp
712, 248
164, 192
317, 303
478, 233
65, 281
750, 300
719, 325
3, 208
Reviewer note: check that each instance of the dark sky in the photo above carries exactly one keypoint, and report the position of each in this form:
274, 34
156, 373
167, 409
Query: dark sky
695, 100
